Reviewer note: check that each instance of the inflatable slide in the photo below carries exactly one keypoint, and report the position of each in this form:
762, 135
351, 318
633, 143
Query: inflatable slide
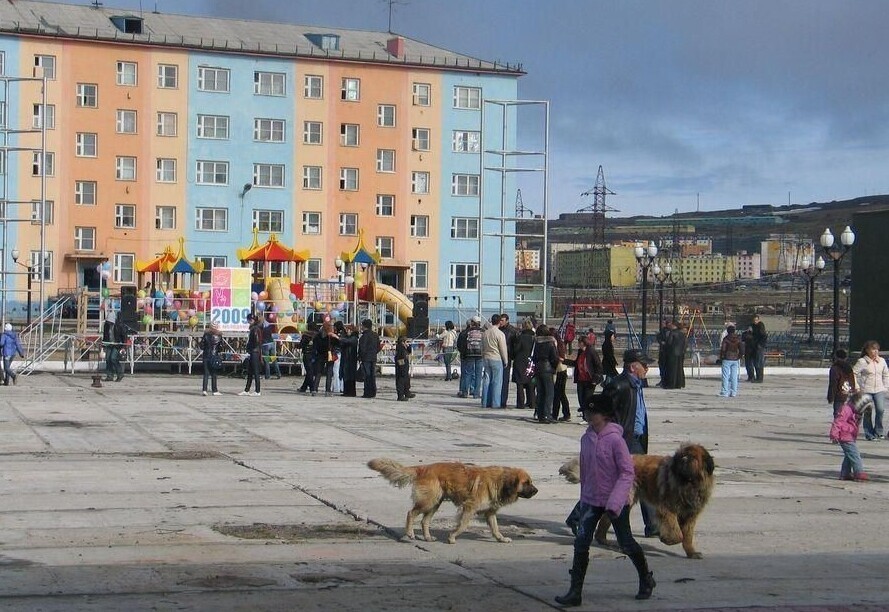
279, 294
397, 301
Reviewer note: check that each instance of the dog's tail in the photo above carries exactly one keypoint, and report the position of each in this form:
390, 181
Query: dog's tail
571, 470
394, 472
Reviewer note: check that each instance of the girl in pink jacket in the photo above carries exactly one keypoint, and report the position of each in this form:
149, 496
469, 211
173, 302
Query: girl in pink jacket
606, 478
844, 432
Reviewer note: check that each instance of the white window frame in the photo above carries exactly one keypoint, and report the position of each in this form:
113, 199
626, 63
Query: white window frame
269, 175
311, 223
313, 87
386, 160
420, 226
126, 119
313, 269
348, 224
83, 196
165, 217
464, 228
127, 73
350, 89
125, 168
420, 182
349, 179
466, 141
313, 132
49, 210
269, 130
386, 115
39, 161
385, 246
84, 238
166, 170
124, 216
385, 205
213, 79
206, 169
267, 83
213, 127
350, 134
168, 76
167, 123
269, 221
210, 262
465, 185
48, 63
312, 177
46, 268
87, 95
463, 276
422, 94
421, 139
416, 275
37, 117
124, 268
467, 98
86, 144
214, 216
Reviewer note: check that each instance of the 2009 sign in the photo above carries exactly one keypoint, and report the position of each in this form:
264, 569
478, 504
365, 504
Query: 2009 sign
229, 316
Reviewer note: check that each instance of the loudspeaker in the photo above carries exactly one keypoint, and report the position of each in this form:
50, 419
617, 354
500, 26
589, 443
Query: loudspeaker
128, 305
418, 327
421, 305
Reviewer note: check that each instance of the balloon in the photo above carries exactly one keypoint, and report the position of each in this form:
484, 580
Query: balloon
254, 296
106, 292
193, 321
295, 319
195, 294
319, 305
341, 306
168, 302
301, 327
99, 268
106, 265
174, 315
158, 293
287, 313
191, 312
335, 314
349, 280
140, 293
292, 297
149, 309
147, 320
177, 304
169, 294
263, 295
260, 306
106, 274
327, 318
159, 303
140, 302
272, 317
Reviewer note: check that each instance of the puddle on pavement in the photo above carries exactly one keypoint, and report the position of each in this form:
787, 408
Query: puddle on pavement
301, 532
226, 581
180, 455
63, 423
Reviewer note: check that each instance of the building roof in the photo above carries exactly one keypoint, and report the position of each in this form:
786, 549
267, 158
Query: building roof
58, 20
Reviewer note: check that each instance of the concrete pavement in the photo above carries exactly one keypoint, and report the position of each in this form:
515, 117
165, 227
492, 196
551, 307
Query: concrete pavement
144, 495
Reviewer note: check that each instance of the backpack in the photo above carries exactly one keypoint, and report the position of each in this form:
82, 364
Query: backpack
474, 343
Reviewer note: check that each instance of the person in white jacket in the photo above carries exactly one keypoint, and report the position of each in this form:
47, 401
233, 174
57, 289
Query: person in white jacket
872, 376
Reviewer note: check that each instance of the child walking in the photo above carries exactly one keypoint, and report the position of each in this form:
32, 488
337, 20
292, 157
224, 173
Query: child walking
606, 477
844, 432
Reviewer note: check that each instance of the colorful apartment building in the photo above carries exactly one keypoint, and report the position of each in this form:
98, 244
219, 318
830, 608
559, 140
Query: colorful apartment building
164, 126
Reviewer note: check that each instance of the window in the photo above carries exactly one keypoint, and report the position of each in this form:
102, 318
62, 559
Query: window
48, 212
311, 177
419, 182
166, 170
464, 227
385, 205
167, 124
422, 94
313, 86
348, 179
268, 220
313, 269
124, 268
385, 160
213, 79
351, 90
466, 142
348, 224
126, 168
212, 173
87, 95
311, 223
124, 216
420, 226
211, 219
269, 83
210, 262
85, 193
463, 276
46, 266
126, 73
213, 126
165, 217
386, 115
419, 274
268, 175
48, 63
84, 239
468, 97
167, 76
349, 134
312, 132
420, 139
38, 163
126, 122
2, 62
464, 184
85, 144
386, 246
41, 111
268, 130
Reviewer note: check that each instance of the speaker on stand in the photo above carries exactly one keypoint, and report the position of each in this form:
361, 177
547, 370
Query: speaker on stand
127, 314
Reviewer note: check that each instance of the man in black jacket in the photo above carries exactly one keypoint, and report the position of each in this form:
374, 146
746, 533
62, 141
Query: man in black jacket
368, 347
760, 338
510, 332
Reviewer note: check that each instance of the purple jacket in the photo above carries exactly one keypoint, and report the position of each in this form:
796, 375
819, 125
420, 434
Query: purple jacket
606, 468
845, 425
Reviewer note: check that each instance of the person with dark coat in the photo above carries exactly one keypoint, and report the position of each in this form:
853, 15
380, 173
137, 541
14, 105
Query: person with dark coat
560, 395
587, 370
749, 354
730, 352
323, 348
546, 360
112, 352
662, 337
609, 361
305, 349
403, 369
211, 345
522, 345
510, 332
841, 381
368, 348
254, 356
675, 359
760, 339
349, 360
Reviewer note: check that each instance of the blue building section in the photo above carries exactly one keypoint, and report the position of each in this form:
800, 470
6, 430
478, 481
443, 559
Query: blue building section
12, 95
246, 145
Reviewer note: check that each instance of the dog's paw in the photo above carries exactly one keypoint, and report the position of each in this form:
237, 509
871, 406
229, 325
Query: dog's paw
695, 555
452, 540
407, 537
670, 539
429, 538
504, 540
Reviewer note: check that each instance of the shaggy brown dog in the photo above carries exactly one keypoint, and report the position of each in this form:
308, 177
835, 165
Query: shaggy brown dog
473, 489
678, 486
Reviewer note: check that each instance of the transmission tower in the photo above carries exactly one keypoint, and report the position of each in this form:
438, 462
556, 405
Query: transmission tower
520, 209
598, 208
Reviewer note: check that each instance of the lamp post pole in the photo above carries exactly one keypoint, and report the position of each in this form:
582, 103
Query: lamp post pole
662, 275
836, 253
645, 257
30, 269
810, 273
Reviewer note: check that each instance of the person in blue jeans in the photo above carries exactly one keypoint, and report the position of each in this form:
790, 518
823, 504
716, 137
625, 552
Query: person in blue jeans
10, 346
469, 343
730, 352
495, 356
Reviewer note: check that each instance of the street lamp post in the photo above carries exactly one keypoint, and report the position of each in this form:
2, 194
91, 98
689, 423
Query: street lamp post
836, 253
645, 257
810, 273
30, 269
662, 275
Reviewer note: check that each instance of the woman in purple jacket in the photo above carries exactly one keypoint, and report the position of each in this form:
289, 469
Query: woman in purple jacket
606, 477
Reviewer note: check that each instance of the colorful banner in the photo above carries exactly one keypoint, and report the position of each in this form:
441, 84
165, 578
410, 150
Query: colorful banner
230, 298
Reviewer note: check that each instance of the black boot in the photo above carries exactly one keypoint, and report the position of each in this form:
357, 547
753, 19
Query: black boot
578, 572
646, 578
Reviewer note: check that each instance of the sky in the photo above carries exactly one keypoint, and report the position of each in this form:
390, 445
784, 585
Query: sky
687, 104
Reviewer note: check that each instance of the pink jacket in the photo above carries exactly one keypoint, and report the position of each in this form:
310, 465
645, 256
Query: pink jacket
606, 469
845, 425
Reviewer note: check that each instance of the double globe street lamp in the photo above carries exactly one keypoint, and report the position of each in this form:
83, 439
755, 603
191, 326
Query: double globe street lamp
645, 256
31, 270
810, 272
662, 275
836, 253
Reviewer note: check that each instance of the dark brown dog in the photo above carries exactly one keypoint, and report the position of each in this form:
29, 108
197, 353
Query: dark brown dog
473, 489
678, 486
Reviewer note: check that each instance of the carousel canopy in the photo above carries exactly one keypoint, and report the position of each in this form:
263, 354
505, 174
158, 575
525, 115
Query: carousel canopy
272, 250
171, 263
361, 254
